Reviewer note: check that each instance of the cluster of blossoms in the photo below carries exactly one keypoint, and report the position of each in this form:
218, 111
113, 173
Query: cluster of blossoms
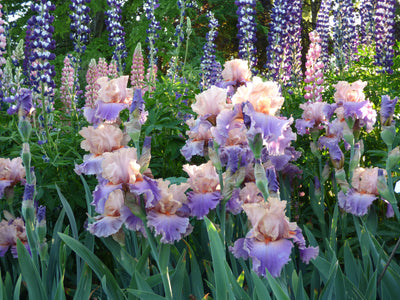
353, 113
210, 68
80, 20
2, 50
314, 69
152, 35
116, 37
240, 129
245, 136
68, 90
345, 34
367, 24
137, 72
284, 41
94, 72
384, 35
125, 182
39, 43
322, 28
247, 30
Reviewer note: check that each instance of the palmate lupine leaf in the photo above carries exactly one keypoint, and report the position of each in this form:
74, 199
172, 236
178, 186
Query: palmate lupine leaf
111, 287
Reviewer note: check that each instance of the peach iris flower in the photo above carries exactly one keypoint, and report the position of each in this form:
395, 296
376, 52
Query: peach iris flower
121, 166
211, 102
236, 70
114, 90
11, 170
350, 92
365, 180
203, 178
264, 96
104, 138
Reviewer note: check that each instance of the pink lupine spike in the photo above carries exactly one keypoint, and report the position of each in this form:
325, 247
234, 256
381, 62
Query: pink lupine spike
137, 73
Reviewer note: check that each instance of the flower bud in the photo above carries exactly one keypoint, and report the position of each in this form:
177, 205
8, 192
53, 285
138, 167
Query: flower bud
340, 176
393, 158
25, 129
256, 145
388, 134
261, 180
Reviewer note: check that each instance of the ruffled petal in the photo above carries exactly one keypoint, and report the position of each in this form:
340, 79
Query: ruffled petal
271, 256
201, 203
354, 202
170, 227
238, 249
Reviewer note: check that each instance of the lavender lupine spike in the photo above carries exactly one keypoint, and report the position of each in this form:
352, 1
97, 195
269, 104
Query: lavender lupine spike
322, 29
294, 40
2, 50
384, 35
210, 68
149, 7
40, 43
345, 34
116, 35
367, 25
80, 20
137, 73
284, 41
247, 31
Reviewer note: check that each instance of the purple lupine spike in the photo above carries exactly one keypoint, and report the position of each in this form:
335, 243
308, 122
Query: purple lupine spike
367, 25
152, 35
345, 34
384, 35
323, 29
247, 31
40, 42
80, 20
211, 69
116, 36
294, 40
284, 38
2, 50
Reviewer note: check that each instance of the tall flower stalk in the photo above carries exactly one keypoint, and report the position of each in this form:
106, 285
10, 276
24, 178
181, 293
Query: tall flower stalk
345, 35
322, 29
210, 68
367, 24
247, 29
2, 49
116, 34
40, 43
152, 35
384, 35
284, 47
